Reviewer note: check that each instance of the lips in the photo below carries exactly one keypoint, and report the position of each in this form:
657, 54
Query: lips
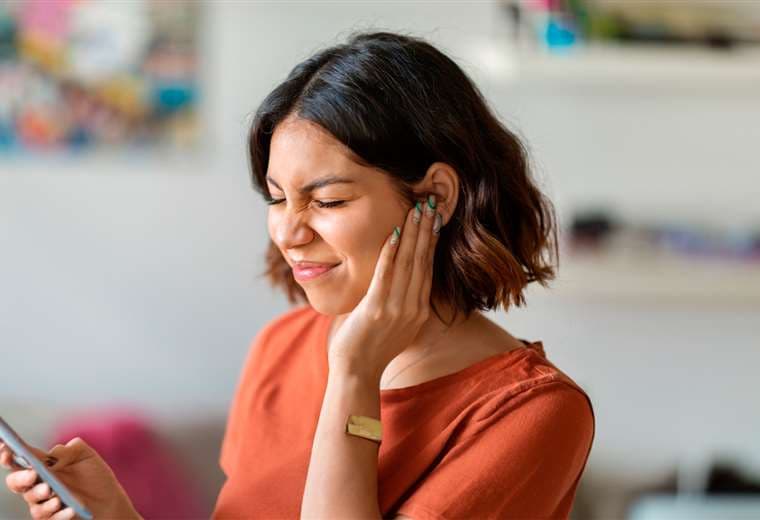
305, 271
313, 264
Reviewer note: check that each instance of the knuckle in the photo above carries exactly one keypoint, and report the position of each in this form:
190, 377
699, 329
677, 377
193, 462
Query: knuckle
52, 505
76, 442
32, 496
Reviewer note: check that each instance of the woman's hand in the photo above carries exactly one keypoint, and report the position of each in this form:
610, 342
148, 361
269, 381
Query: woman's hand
397, 303
81, 470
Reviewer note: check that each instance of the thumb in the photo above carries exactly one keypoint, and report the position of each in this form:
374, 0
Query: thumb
62, 456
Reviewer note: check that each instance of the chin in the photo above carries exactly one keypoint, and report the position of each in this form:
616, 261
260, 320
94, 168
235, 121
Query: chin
329, 304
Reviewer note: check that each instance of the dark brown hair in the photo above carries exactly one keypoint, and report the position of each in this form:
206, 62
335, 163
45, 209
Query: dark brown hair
399, 105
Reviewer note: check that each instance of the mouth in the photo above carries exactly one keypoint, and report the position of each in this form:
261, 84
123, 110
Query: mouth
306, 272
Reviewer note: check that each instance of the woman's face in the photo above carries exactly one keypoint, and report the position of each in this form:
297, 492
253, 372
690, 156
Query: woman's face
349, 234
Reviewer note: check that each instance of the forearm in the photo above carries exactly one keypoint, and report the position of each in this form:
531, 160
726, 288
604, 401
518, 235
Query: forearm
342, 477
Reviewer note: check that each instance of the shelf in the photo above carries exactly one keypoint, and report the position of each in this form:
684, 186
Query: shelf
620, 65
655, 279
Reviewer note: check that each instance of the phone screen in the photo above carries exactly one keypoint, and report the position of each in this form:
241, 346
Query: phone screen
27, 459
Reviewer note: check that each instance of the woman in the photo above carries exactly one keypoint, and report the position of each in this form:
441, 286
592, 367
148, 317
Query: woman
399, 209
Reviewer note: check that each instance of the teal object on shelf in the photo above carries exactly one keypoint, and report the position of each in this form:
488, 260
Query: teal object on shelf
559, 35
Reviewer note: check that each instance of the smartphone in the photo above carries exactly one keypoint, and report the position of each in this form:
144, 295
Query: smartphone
28, 460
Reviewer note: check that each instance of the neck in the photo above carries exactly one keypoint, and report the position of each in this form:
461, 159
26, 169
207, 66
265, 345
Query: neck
430, 334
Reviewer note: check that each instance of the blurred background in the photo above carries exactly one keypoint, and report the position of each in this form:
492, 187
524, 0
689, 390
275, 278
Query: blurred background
131, 242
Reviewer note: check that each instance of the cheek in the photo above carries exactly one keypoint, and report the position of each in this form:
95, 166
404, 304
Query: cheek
363, 236
346, 234
272, 220
270, 224
355, 238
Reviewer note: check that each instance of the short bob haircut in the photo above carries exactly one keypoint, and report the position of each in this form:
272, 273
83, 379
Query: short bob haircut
400, 105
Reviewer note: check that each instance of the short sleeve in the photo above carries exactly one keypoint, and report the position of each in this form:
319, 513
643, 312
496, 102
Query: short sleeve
523, 460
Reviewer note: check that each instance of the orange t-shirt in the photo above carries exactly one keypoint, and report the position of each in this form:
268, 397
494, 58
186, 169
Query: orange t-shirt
506, 437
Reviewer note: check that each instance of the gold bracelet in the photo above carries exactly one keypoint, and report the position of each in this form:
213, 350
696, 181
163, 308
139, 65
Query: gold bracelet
363, 426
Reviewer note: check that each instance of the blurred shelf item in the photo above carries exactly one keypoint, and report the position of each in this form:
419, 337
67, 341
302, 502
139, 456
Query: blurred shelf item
699, 507
663, 278
622, 66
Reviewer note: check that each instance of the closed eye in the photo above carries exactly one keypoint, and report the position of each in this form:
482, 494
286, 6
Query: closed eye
330, 203
320, 203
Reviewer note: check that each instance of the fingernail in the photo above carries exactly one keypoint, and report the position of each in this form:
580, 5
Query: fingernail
396, 235
417, 212
430, 205
438, 223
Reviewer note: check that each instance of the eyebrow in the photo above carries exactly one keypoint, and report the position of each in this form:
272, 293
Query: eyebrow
319, 183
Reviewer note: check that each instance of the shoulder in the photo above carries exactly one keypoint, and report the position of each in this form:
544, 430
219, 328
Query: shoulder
563, 404
290, 321
527, 445
550, 414
532, 389
548, 426
281, 330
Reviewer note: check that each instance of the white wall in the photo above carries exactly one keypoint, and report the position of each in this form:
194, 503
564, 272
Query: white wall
134, 278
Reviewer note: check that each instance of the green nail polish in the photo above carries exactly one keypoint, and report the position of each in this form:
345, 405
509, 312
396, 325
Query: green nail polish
396, 235
417, 212
430, 205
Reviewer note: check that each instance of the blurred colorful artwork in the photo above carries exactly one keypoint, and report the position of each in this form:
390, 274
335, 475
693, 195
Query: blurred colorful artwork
94, 74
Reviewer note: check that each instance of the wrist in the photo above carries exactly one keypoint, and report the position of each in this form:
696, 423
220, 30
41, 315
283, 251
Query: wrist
125, 510
354, 370
122, 506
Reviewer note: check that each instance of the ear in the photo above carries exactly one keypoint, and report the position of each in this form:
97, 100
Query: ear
443, 181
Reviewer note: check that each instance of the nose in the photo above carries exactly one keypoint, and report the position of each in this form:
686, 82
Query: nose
290, 229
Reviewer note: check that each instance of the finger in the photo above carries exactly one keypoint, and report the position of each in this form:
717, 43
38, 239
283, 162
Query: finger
380, 283
427, 283
74, 450
60, 456
421, 258
46, 508
6, 459
64, 514
21, 481
404, 261
38, 493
